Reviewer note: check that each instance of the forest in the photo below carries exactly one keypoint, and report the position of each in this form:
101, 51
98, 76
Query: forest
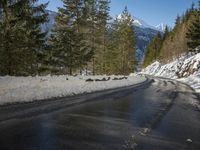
83, 39
184, 38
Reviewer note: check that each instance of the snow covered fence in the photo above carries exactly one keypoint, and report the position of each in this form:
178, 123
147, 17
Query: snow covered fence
27, 89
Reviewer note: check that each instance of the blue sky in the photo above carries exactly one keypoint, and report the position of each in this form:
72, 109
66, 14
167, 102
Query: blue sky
153, 12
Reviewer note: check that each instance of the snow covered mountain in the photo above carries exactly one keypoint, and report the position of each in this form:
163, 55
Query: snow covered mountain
144, 34
139, 23
161, 27
142, 24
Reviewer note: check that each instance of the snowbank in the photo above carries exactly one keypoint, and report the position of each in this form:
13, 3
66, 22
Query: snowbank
26, 89
185, 69
193, 81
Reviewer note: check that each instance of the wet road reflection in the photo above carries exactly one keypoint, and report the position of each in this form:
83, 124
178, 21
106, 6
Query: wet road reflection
106, 122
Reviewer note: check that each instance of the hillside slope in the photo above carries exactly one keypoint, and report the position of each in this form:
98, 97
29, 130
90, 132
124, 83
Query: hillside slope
143, 38
186, 69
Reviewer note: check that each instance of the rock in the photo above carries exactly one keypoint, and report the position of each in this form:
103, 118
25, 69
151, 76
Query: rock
122, 78
89, 80
189, 141
42, 80
146, 130
75, 75
108, 79
115, 79
97, 80
141, 133
130, 144
125, 77
104, 79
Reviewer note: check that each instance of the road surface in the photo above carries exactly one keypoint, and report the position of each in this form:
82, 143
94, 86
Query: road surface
158, 114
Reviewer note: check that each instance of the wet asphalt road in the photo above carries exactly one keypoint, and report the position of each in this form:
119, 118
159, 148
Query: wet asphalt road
154, 115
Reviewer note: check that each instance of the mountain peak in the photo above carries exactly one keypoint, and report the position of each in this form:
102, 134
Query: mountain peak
161, 27
139, 23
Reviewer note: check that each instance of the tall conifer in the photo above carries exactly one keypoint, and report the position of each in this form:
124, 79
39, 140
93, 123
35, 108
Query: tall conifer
193, 34
21, 38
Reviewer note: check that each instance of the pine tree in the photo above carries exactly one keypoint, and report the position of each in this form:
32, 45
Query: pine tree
70, 50
62, 53
178, 20
193, 34
192, 9
89, 27
123, 45
21, 38
83, 48
113, 53
34, 16
153, 50
102, 19
166, 33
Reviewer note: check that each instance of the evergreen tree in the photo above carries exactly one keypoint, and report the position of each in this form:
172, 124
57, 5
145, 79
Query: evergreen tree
113, 52
90, 29
84, 49
20, 35
153, 50
178, 20
192, 9
123, 45
63, 53
99, 60
166, 33
193, 34
70, 49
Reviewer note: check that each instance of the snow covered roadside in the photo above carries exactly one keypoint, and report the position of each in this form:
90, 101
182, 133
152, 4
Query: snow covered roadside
193, 81
185, 69
27, 89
